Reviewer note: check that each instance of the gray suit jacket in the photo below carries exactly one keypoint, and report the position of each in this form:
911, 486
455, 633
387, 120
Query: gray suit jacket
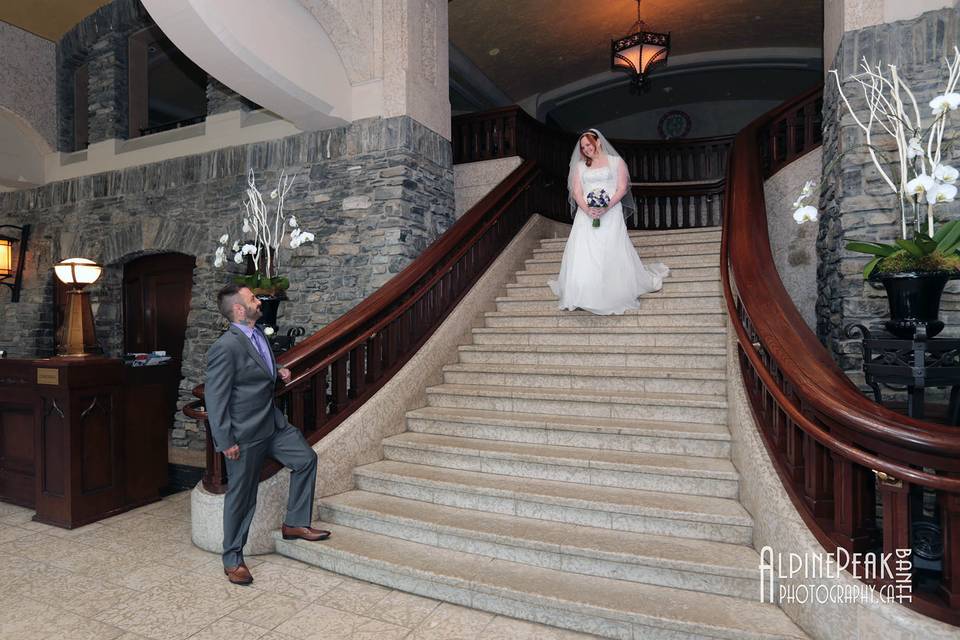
238, 392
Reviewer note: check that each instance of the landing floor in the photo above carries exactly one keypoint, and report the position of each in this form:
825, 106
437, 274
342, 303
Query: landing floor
138, 576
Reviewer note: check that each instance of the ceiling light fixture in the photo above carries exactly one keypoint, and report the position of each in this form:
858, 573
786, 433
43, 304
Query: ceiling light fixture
637, 52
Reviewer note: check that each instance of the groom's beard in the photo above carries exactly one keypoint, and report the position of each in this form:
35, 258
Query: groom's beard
253, 311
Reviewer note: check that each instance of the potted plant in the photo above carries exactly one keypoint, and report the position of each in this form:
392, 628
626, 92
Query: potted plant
916, 267
262, 232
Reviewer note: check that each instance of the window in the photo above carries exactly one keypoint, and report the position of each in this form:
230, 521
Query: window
166, 89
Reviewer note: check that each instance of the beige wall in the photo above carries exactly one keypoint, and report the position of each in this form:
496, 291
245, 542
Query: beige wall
840, 16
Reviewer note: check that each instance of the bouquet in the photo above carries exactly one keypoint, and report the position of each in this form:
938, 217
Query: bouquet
597, 199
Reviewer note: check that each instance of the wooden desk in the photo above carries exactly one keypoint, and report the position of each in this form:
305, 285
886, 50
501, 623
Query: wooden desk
83, 439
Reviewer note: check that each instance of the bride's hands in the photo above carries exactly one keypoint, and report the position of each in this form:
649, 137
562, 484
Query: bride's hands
596, 212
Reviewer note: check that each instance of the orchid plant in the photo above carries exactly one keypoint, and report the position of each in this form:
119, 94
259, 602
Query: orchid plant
917, 175
269, 228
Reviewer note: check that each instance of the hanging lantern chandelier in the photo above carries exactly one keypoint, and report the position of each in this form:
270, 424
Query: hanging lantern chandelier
637, 52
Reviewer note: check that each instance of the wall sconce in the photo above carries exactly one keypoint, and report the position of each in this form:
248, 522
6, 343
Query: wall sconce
79, 337
11, 270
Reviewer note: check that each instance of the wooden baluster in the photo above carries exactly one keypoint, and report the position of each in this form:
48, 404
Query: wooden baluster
895, 501
817, 478
374, 357
320, 399
339, 388
357, 374
853, 505
793, 452
949, 588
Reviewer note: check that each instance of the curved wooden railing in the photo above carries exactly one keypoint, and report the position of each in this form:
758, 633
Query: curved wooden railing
338, 368
838, 454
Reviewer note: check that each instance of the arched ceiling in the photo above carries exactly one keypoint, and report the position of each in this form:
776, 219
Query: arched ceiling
533, 46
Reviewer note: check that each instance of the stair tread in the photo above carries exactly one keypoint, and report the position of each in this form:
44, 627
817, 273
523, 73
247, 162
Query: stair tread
611, 330
569, 370
596, 348
574, 423
656, 463
642, 311
664, 607
652, 295
701, 556
673, 506
587, 395
669, 279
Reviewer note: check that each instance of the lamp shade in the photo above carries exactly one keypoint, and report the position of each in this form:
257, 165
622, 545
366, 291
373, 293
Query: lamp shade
77, 271
6, 256
636, 52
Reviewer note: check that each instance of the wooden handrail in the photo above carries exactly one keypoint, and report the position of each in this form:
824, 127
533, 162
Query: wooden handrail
835, 450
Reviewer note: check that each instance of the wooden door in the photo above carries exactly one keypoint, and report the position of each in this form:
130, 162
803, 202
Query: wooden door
156, 301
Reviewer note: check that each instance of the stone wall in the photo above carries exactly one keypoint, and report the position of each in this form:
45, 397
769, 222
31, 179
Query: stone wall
856, 204
375, 193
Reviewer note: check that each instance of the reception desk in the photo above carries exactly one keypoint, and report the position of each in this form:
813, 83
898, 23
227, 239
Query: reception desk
83, 439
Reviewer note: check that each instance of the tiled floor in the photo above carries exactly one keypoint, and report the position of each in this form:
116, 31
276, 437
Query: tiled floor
138, 576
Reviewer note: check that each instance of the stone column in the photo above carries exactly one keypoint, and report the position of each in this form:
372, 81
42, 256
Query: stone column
107, 92
856, 204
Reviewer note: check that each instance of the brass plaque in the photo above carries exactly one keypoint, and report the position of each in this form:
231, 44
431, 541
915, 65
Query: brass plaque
48, 376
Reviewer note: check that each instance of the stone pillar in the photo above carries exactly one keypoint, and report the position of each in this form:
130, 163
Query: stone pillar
107, 92
856, 204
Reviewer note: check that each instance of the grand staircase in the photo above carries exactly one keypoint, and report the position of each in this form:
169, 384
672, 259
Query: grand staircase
572, 469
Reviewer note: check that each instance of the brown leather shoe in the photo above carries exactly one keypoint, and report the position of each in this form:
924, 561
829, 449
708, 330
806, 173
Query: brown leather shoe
238, 575
303, 533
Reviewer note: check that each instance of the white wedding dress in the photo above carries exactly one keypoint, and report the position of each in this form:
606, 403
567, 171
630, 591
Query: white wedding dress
600, 271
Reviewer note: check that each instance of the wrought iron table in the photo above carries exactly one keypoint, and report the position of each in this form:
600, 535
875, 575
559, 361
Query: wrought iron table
916, 364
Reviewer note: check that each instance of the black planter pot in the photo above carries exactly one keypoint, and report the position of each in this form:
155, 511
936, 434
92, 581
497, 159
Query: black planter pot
914, 299
269, 305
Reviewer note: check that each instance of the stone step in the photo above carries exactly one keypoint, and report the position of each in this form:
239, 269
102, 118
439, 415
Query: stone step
647, 238
639, 511
683, 438
649, 471
670, 285
604, 336
648, 252
667, 302
643, 317
679, 274
597, 377
696, 565
670, 407
552, 265
608, 607
673, 359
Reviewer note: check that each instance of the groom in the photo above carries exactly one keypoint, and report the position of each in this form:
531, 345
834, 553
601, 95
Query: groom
247, 427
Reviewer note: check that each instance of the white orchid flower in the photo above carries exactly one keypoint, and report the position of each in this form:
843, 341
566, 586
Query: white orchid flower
306, 237
942, 193
293, 222
246, 225
946, 173
236, 246
274, 194
920, 184
808, 189
224, 238
219, 257
249, 250
294, 242
238, 258
268, 331
805, 214
914, 148
944, 103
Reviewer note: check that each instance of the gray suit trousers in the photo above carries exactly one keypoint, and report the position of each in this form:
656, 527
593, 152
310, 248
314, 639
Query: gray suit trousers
287, 446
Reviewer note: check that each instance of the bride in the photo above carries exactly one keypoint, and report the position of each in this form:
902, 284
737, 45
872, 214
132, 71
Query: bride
600, 271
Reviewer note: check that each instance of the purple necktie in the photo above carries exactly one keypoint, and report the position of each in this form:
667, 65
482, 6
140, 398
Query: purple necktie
261, 345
